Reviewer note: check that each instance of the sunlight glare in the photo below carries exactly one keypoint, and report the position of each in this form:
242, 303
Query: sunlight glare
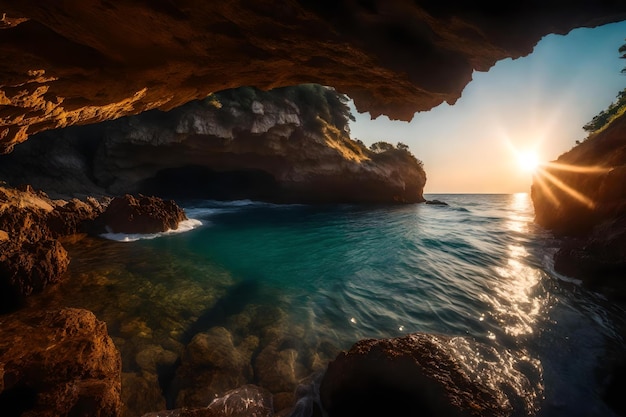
528, 161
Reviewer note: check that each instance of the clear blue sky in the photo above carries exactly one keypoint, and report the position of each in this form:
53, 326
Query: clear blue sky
538, 103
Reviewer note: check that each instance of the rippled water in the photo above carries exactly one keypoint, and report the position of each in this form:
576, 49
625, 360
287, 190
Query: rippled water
329, 276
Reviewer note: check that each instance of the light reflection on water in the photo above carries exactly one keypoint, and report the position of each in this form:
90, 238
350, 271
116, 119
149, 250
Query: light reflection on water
324, 277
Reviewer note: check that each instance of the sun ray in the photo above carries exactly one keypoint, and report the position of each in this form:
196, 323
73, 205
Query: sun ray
547, 190
569, 190
573, 168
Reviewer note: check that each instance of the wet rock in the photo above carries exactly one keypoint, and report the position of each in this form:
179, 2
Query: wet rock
419, 374
142, 214
283, 401
72, 217
210, 366
245, 401
436, 202
276, 367
153, 357
31, 257
30, 267
141, 394
58, 363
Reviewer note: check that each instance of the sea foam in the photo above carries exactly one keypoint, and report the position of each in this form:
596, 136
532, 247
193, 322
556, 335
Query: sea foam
184, 226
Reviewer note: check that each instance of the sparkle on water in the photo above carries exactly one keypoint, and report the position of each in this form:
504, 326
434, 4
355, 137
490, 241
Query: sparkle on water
478, 269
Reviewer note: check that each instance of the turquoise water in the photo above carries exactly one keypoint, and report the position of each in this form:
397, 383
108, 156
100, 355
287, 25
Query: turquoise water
331, 275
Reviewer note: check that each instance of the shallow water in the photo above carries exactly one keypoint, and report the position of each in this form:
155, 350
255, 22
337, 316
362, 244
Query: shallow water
325, 277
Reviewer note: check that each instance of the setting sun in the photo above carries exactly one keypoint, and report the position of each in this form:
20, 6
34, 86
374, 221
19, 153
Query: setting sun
528, 161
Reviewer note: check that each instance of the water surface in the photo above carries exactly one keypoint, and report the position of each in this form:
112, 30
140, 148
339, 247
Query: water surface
327, 276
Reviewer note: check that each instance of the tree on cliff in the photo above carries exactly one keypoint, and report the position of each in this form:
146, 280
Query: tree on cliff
615, 109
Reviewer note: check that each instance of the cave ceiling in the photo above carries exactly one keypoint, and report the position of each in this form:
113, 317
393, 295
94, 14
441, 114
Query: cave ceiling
84, 61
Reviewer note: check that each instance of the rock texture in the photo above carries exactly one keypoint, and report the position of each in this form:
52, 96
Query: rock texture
31, 257
142, 214
581, 197
80, 62
58, 363
419, 374
31, 226
286, 145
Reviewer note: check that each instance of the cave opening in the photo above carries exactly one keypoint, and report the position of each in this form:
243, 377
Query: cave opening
199, 182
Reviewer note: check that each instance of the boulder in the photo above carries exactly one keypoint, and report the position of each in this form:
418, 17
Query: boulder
421, 374
28, 268
211, 365
58, 363
142, 214
436, 202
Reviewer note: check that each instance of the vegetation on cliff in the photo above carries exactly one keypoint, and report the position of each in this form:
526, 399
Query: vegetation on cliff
605, 117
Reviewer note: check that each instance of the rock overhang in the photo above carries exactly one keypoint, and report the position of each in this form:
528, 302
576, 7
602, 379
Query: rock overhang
81, 62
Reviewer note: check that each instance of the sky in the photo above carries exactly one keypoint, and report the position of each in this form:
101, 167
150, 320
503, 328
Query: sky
535, 104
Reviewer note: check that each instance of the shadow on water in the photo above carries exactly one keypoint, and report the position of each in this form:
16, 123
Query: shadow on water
233, 302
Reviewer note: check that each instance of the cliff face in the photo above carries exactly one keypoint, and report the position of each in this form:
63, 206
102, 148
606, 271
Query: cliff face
287, 145
595, 170
581, 196
78, 62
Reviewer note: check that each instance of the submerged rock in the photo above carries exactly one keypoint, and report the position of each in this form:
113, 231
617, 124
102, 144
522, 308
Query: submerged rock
210, 366
245, 401
422, 374
142, 214
436, 202
58, 363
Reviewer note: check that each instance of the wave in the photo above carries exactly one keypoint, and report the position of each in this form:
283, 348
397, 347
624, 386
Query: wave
548, 263
184, 226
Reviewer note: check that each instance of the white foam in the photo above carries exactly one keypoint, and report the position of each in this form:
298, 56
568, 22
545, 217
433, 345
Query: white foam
184, 226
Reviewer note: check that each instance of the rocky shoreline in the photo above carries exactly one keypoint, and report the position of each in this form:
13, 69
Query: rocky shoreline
216, 361
590, 221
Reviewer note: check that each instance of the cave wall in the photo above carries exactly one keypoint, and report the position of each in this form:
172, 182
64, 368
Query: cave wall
85, 61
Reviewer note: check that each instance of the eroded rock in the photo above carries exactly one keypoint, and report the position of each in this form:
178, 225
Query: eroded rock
142, 214
61, 64
58, 363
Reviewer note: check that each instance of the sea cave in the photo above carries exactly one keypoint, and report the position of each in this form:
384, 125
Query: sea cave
303, 208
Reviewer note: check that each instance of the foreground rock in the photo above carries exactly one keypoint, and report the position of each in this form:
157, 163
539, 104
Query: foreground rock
142, 214
61, 63
58, 363
245, 401
420, 374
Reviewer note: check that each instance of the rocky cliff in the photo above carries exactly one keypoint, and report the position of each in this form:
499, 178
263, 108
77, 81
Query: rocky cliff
77, 62
581, 197
285, 145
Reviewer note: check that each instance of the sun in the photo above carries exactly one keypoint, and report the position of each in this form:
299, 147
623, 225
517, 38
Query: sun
528, 161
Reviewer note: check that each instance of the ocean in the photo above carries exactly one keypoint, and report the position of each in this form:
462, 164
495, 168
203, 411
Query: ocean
324, 277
